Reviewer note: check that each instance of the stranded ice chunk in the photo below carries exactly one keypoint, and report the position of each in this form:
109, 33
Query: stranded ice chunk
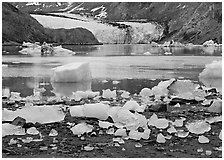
81, 128
97, 110
32, 131
105, 124
9, 129
41, 114
73, 72
146, 92
203, 139
131, 105
160, 138
198, 127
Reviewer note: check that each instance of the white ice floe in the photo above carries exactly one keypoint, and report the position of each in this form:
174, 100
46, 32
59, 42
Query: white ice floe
214, 119
146, 92
81, 128
181, 133
120, 132
131, 105
78, 95
73, 72
216, 106
161, 123
125, 94
41, 114
134, 134
32, 131
97, 110
9, 129
105, 124
124, 118
15, 96
162, 88
172, 129
108, 94
198, 127
203, 139
53, 133
160, 138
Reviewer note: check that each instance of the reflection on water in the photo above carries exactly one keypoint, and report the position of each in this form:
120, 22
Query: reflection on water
66, 89
129, 49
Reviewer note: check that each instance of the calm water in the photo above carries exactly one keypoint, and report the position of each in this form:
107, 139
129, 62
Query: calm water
131, 65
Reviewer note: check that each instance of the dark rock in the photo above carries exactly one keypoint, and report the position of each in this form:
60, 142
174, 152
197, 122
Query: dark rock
161, 107
19, 121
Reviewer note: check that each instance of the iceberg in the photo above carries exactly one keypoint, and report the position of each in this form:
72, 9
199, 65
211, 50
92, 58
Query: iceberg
73, 72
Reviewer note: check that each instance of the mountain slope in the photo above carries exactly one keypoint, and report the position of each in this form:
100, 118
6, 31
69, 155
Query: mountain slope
18, 26
193, 22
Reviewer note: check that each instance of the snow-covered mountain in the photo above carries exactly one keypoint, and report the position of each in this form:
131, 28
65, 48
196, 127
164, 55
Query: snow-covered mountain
194, 22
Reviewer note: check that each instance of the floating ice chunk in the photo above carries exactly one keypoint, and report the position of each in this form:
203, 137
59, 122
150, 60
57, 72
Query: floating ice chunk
147, 53
104, 81
9, 129
5, 92
32, 131
115, 82
97, 110
41, 114
81, 128
120, 132
108, 94
78, 95
172, 129
212, 70
60, 50
131, 105
216, 106
15, 96
160, 138
53, 133
73, 72
146, 92
161, 123
125, 94
203, 139
105, 124
168, 53
198, 127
